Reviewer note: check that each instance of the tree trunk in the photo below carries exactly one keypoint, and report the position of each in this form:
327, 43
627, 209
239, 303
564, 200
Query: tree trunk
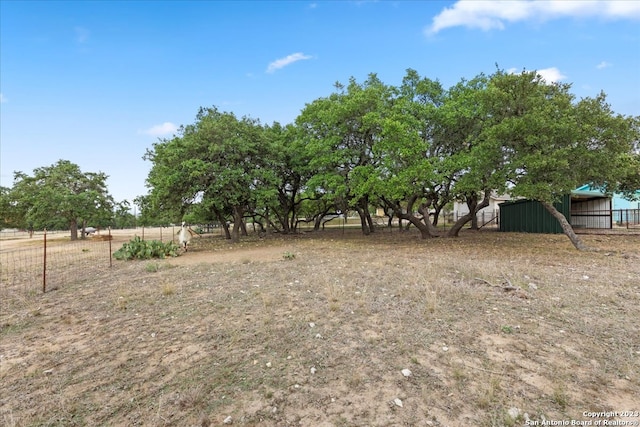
225, 227
283, 222
237, 224
268, 229
472, 204
293, 224
436, 215
425, 227
365, 216
223, 223
255, 221
437, 209
372, 227
424, 211
73, 226
474, 208
317, 222
566, 227
363, 221
425, 231
455, 230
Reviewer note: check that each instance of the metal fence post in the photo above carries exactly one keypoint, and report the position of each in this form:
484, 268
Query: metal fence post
110, 252
44, 264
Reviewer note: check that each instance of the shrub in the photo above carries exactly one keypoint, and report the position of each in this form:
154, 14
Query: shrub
146, 249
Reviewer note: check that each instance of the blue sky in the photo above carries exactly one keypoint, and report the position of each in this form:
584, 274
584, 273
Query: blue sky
97, 83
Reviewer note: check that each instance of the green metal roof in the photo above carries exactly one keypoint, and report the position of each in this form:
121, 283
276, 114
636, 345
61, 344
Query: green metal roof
586, 192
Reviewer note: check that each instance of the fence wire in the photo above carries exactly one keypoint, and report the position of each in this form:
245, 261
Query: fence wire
51, 262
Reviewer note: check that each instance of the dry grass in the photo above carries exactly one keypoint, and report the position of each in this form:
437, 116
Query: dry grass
227, 332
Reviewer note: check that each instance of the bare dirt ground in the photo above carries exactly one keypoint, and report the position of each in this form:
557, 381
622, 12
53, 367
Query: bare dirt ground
316, 329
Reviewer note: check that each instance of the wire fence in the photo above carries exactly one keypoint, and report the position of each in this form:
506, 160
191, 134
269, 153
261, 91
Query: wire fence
49, 261
46, 260
484, 218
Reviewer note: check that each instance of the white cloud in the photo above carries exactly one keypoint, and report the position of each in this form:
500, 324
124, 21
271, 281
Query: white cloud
3, 99
603, 64
287, 60
165, 128
490, 15
550, 75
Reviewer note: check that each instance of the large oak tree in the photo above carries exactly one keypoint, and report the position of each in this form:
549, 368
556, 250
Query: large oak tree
219, 162
60, 195
340, 132
552, 144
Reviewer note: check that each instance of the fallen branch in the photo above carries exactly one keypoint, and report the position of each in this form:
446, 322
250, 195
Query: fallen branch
487, 282
507, 288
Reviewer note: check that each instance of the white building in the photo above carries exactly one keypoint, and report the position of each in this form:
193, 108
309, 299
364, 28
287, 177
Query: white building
486, 216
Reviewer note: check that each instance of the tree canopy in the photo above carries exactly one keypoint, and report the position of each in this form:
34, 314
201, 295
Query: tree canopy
552, 144
340, 133
411, 149
58, 196
220, 163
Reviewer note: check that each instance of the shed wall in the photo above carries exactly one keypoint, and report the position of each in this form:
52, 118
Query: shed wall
594, 213
530, 216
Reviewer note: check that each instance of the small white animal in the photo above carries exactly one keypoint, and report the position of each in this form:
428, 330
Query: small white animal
184, 236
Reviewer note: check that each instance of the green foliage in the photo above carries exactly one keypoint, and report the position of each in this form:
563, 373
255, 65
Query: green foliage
506, 329
341, 132
122, 217
146, 249
220, 162
289, 169
6, 212
412, 149
60, 196
552, 144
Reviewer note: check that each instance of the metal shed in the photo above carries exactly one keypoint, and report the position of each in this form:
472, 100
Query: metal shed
590, 209
530, 216
583, 209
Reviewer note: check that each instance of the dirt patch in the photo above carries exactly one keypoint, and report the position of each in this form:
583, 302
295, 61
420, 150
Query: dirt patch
242, 255
496, 328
